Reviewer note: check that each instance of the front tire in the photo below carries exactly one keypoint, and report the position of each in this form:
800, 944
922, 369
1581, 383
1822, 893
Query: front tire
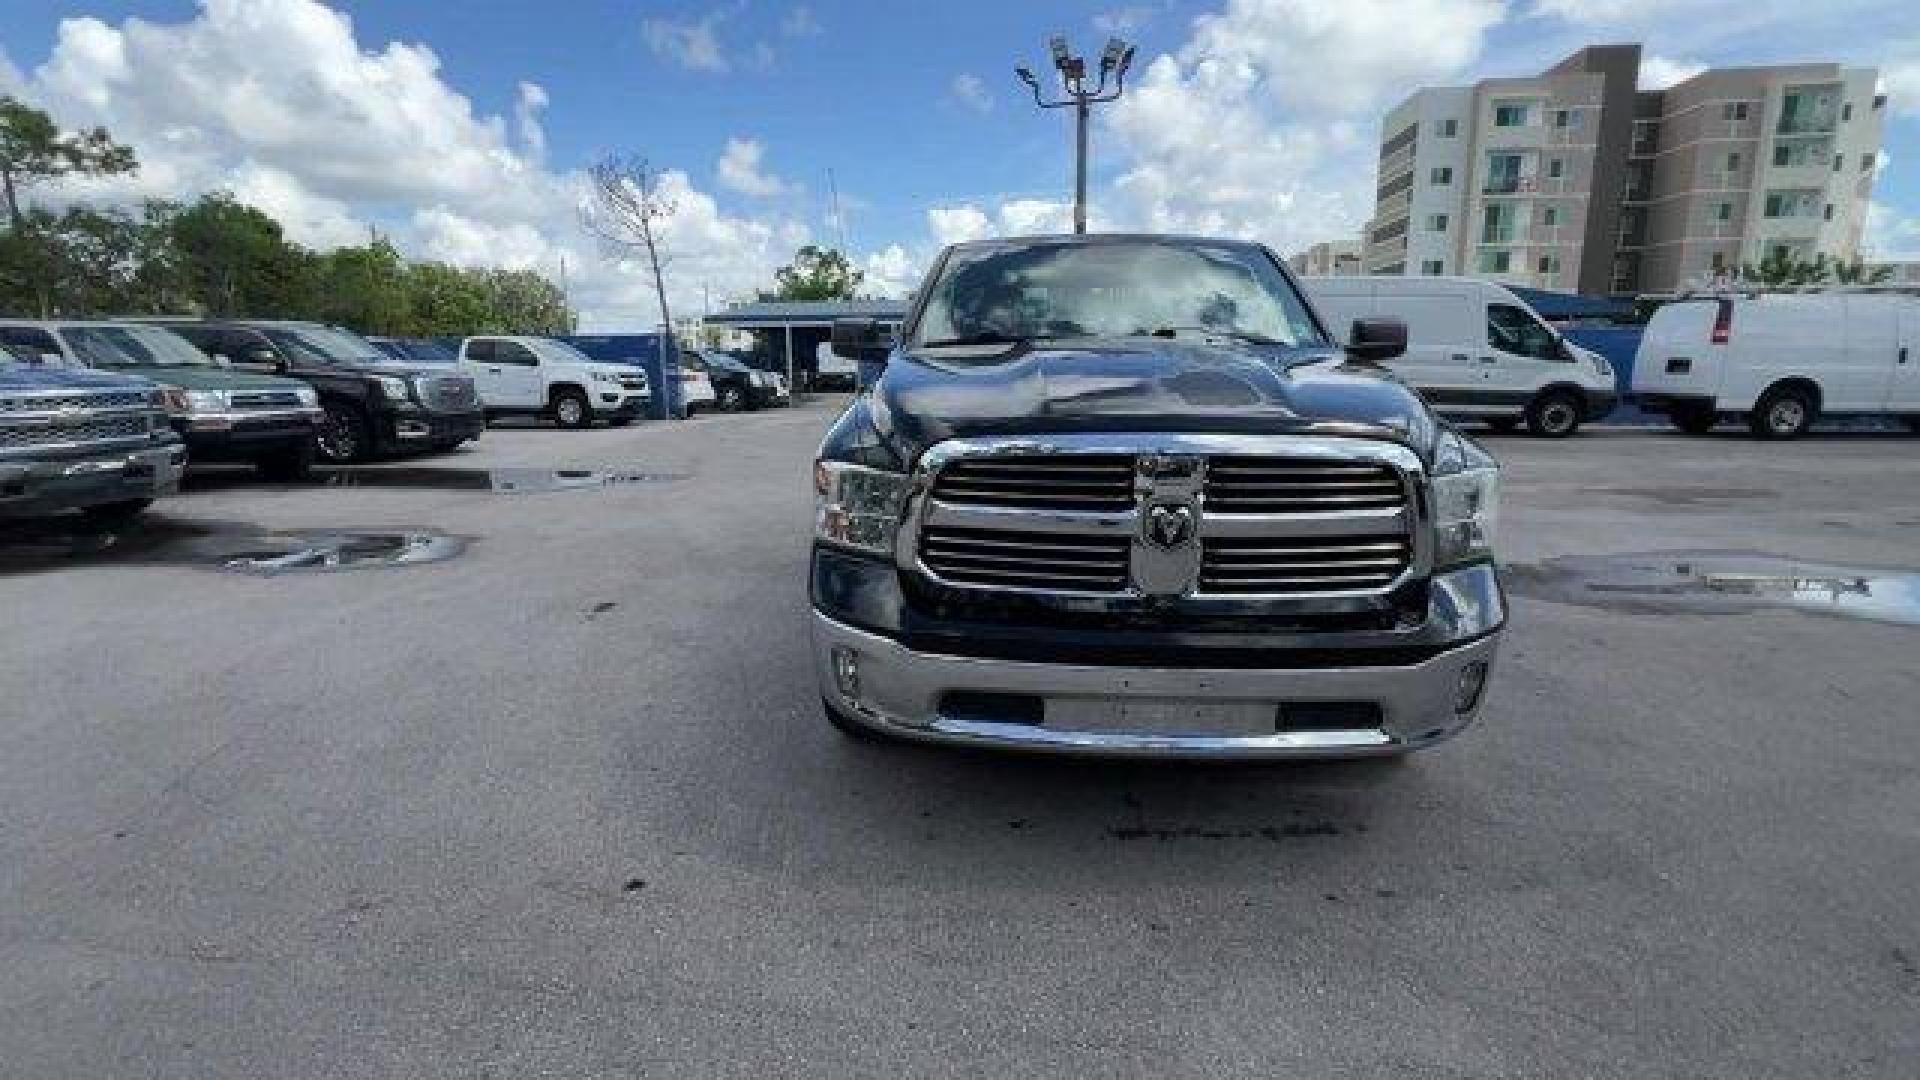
287, 466
344, 436
116, 513
1693, 421
731, 399
1783, 414
1554, 415
571, 410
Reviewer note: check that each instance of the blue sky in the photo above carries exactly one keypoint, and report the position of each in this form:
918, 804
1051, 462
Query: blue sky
460, 129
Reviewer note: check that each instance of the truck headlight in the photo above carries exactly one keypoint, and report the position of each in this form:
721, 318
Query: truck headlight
393, 388
308, 397
858, 507
207, 401
1466, 508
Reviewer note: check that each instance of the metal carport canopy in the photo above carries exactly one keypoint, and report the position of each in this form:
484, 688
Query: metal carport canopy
785, 315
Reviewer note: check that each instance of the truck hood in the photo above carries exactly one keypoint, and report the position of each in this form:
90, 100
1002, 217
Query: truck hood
35, 377
189, 377
1142, 384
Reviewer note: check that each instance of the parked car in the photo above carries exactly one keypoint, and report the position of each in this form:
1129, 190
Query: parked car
738, 385
1155, 509
538, 376
1476, 351
833, 371
223, 414
371, 404
76, 439
696, 383
1780, 361
641, 351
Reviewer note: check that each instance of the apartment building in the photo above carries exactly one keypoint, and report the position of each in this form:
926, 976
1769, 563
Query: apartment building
1326, 258
1574, 179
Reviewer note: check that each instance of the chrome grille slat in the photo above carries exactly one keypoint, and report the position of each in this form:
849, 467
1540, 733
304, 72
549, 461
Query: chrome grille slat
1242, 485
1026, 560
57, 402
1084, 482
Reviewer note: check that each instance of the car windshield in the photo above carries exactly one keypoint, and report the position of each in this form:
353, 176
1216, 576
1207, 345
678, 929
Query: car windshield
132, 346
559, 351
317, 344
415, 351
1015, 291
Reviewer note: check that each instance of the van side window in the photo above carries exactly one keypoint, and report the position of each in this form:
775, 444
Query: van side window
1512, 330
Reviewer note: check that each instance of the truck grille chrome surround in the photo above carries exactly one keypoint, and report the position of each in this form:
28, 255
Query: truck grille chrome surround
1197, 517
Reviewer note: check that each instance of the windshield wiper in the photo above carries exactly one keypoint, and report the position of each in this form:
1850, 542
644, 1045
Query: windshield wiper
1216, 331
983, 339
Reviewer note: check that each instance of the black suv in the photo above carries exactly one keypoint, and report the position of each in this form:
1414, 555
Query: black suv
373, 403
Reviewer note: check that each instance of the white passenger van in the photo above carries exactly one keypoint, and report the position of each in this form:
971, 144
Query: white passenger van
1781, 360
1476, 351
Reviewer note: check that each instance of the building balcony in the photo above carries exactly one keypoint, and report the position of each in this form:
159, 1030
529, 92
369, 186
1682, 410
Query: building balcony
1797, 126
1810, 175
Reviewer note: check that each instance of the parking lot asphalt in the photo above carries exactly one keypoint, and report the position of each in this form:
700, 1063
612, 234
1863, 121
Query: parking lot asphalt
564, 805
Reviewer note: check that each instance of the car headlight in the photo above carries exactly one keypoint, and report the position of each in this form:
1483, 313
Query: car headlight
1466, 508
393, 388
307, 396
602, 376
207, 401
858, 507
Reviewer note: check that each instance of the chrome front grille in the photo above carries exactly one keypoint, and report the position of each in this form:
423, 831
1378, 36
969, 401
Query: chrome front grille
62, 433
1003, 558
448, 393
1171, 516
265, 400
633, 383
1291, 566
1067, 482
1257, 485
56, 402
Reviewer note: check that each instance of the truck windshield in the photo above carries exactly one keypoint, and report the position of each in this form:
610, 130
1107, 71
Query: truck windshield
1018, 291
324, 345
132, 346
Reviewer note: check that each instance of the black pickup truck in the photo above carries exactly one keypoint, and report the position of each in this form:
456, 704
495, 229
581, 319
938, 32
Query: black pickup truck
1131, 495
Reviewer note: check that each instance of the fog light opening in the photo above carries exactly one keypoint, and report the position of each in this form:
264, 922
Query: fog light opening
846, 672
1466, 694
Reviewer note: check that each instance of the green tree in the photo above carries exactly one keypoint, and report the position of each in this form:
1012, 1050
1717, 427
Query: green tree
236, 260
1859, 273
32, 151
365, 288
815, 274
444, 299
523, 302
1780, 269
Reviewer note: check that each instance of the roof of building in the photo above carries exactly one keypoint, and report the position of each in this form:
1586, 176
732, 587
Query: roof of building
781, 313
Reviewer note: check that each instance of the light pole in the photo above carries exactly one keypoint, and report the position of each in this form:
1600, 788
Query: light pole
1114, 60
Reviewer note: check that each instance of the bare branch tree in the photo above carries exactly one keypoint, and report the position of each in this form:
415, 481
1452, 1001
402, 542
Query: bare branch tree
624, 205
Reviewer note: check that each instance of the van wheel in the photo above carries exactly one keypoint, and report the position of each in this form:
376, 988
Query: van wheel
1785, 413
1554, 415
571, 410
1693, 420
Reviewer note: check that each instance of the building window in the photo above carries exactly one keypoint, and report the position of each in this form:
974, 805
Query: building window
1432, 267
1733, 163
1495, 262
1555, 167
1549, 265
1441, 176
1436, 223
1776, 204
1449, 128
1839, 162
1733, 110
1562, 117
1827, 214
1846, 112
1723, 212
1550, 216
1498, 227
1866, 162
1781, 155
1509, 116
1719, 262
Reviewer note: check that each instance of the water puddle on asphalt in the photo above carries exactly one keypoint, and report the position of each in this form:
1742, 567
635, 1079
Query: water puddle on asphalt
504, 481
1722, 581
157, 540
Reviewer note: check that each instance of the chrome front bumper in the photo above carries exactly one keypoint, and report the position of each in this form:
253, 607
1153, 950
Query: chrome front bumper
901, 692
30, 487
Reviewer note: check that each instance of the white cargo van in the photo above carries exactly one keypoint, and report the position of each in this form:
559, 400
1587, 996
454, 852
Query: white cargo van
1781, 360
1476, 351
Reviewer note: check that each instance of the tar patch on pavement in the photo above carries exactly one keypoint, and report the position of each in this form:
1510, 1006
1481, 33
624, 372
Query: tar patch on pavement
158, 540
1712, 582
499, 481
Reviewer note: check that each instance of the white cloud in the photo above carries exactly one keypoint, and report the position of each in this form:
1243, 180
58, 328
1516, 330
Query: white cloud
526, 118
276, 101
892, 272
1659, 72
957, 223
692, 43
11, 80
800, 23
739, 168
1891, 236
1123, 20
971, 92
1900, 77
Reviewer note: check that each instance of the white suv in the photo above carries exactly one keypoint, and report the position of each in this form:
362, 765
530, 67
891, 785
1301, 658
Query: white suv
537, 376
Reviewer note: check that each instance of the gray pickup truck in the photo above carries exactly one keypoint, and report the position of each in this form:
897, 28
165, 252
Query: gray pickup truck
92, 441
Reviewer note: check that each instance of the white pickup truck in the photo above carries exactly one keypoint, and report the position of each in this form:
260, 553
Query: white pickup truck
537, 376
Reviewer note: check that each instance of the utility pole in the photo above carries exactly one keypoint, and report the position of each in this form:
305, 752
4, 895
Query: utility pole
839, 223
1114, 61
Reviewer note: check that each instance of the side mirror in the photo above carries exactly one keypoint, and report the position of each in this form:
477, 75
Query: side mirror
860, 339
1374, 340
1563, 350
